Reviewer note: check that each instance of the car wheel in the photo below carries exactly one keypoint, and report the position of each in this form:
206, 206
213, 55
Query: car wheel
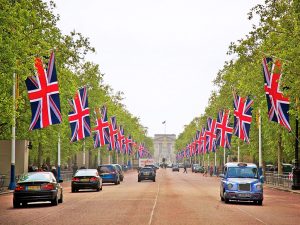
225, 199
55, 201
154, 180
98, 189
73, 190
61, 198
222, 199
16, 204
101, 187
259, 202
139, 180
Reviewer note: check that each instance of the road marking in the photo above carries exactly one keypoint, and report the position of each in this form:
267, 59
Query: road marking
249, 214
153, 208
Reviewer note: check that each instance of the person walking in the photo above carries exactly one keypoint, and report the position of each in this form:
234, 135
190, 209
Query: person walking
54, 171
184, 167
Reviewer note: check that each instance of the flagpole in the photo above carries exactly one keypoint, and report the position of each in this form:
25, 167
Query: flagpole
215, 163
224, 162
58, 158
238, 150
83, 156
260, 172
98, 158
12, 183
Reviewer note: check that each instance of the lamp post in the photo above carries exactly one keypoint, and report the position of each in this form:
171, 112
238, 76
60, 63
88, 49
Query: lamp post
296, 169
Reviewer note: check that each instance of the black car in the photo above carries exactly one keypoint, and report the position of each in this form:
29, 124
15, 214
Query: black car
37, 187
146, 173
120, 171
86, 179
175, 168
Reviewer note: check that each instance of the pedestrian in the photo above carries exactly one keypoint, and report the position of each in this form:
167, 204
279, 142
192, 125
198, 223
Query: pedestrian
205, 172
54, 171
211, 170
184, 167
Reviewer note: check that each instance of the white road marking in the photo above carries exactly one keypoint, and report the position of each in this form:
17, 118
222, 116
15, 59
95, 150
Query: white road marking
153, 208
249, 214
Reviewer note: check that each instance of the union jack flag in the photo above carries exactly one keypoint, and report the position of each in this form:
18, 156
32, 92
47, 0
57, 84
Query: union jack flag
141, 150
79, 118
101, 136
278, 105
224, 131
198, 142
242, 117
113, 131
203, 140
43, 94
211, 134
128, 143
120, 140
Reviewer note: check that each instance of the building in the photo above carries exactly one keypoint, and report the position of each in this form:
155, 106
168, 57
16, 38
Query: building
164, 146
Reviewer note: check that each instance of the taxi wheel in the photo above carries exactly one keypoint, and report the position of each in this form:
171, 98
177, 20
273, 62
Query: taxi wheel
139, 180
222, 199
225, 199
101, 187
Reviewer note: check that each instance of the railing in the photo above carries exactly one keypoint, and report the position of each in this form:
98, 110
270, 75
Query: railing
66, 175
285, 180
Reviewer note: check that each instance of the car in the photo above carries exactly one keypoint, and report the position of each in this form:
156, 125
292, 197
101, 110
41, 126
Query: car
120, 171
37, 187
153, 167
287, 168
241, 182
86, 179
193, 167
198, 169
175, 168
109, 174
146, 173
180, 165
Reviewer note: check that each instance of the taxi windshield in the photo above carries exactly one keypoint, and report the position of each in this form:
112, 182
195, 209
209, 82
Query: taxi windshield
242, 172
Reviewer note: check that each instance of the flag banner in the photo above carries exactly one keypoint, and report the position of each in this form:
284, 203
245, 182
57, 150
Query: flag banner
203, 140
120, 140
43, 93
242, 117
224, 131
128, 143
211, 136
278, 105
113, 131
141, 150
79, 117
101, 136
197, 142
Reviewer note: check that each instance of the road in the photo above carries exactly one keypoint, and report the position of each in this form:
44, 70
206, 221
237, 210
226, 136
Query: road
175, 198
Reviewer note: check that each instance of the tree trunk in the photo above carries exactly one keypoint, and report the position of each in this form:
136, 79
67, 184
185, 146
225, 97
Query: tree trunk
279, 151
40, 155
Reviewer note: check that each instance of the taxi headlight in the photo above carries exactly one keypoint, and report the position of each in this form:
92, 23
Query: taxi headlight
259, 187
230, 186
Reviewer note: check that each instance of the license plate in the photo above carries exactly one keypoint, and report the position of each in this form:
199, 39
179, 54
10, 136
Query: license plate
33, 188
146, 174
85, 180
245, 195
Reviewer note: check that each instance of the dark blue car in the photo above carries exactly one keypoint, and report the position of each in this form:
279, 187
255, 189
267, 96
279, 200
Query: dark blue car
241, 182
109, 174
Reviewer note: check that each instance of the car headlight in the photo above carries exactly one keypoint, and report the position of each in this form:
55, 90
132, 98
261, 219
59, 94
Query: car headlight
258, 186
230, 186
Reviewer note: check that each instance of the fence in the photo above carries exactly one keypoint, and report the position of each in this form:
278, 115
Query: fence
275, 179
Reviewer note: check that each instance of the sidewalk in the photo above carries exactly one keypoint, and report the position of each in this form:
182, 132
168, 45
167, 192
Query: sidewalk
282, 188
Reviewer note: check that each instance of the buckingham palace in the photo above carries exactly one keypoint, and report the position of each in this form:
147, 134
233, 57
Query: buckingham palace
164, 146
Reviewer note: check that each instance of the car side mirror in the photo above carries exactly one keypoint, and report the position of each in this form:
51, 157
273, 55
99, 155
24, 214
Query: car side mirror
262, 179
222, 175
60, 181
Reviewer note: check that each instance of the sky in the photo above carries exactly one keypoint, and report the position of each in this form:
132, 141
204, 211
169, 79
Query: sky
163, 54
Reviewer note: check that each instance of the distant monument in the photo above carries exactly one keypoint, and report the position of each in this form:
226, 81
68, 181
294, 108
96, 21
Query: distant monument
164, 146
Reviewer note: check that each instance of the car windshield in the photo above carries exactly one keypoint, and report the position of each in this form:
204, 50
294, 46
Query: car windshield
242, 172
86, 173
106, 169
36, 177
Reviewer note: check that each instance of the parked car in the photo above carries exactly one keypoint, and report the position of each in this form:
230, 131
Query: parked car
270, 168
109, 174
287, 168
175, 168
180, 165
120, 171
37, 187
146, 173
86, 179
193, 167
240, 182
198, 169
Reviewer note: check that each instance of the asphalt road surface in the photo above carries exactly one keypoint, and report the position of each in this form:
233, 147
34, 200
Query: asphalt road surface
175, 198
